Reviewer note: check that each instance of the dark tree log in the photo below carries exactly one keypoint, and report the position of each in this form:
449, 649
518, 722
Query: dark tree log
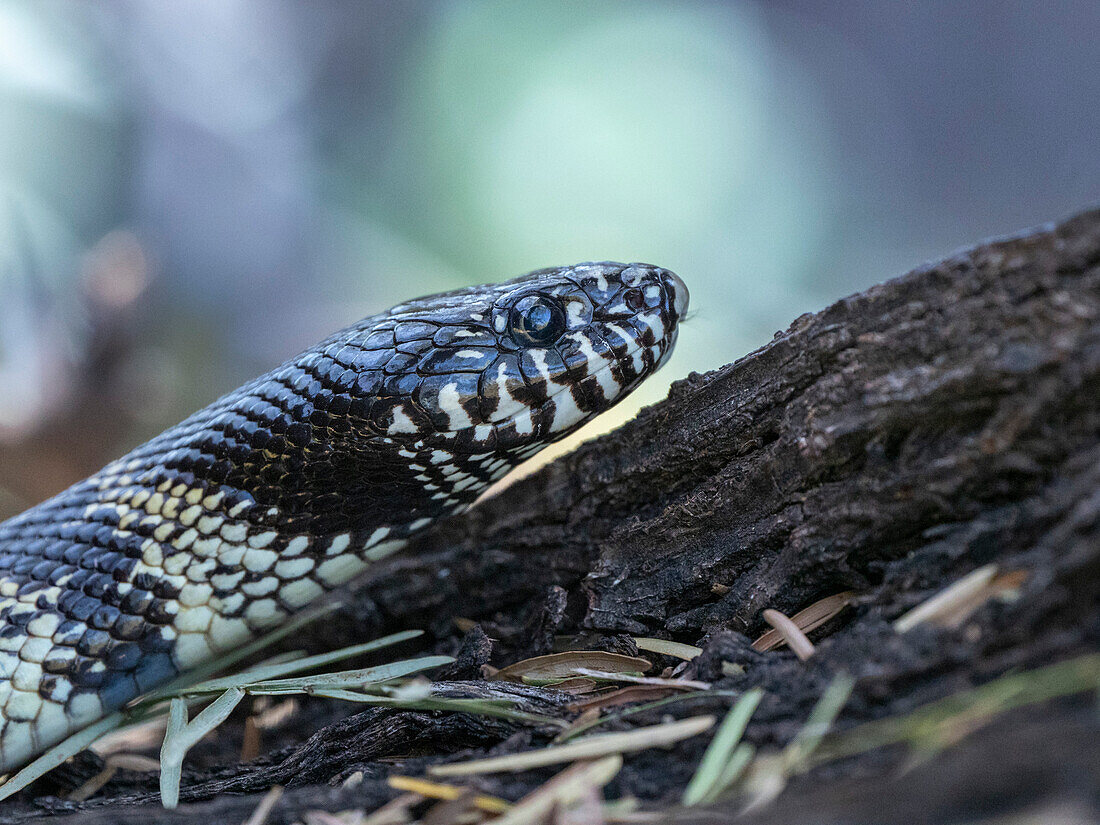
888, 445
949, 412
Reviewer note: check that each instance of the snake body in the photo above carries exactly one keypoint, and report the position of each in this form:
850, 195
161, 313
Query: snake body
227, 524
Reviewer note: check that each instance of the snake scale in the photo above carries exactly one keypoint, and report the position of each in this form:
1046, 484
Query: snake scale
225, 525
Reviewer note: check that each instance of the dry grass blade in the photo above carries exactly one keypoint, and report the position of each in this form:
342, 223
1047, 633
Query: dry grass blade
112, 764
318, 817
460, 811
577, 728
93, 784
624, 696
132, 762
438, 790
807, 620
394, 812
576, 684
766, 779
603, 744
667, 648
732, 669
585, 720
566, 788
263, 810
796, 640
658, 681
587, 810
250, 741
133, 737
953, 605
947, 600
554, 666
707, 783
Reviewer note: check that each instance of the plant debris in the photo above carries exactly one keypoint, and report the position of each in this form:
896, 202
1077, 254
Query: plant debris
558, 666
806, 620
590, 747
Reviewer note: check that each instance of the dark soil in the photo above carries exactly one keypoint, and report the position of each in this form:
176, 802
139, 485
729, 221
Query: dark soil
889, 445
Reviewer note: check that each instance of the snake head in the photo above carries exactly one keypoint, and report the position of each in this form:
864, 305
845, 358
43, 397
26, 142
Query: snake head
515, 366
412, 412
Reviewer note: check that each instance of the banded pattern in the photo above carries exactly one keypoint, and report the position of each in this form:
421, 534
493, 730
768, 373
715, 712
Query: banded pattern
226, 524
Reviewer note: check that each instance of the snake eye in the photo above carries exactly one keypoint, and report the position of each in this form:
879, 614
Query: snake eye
537, 321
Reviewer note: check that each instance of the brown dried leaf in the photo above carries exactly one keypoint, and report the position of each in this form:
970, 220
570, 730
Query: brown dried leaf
808, 619
542, 669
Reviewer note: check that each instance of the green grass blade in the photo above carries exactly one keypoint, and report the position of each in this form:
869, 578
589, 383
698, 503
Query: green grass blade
345, 678
181, 735
797, 754
709, 774
499, 708
263, 673
736, 766
962, 712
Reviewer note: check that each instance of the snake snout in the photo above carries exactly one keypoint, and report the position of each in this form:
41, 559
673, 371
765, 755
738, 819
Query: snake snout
677, 292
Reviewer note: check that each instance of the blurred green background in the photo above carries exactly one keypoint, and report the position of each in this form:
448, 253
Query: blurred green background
191, 191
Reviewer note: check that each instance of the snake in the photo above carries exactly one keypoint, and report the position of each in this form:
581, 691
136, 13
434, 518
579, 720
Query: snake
228, 524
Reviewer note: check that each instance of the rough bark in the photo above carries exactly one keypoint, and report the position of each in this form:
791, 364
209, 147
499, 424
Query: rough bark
889, 445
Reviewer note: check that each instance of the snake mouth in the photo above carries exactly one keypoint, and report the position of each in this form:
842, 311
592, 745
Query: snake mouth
564, 417
564, 407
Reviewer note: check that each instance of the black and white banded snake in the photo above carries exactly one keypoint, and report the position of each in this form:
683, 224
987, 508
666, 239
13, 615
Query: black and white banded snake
225, 525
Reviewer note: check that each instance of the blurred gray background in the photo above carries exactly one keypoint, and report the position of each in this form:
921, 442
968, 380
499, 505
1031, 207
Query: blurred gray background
192, 191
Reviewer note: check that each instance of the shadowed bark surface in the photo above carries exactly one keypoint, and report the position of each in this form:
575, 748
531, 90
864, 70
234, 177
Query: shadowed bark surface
888, 445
